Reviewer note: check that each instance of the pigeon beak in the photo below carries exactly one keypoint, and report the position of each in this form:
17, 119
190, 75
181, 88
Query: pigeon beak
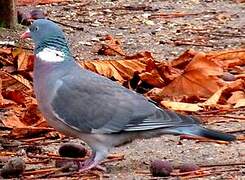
26, 34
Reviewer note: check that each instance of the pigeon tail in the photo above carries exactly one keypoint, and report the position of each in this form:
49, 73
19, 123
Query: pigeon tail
197, 130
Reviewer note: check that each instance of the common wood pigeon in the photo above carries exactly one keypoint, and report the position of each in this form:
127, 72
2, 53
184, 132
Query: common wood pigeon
83, 104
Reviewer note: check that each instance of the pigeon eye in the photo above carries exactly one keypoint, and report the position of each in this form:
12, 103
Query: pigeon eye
36, 28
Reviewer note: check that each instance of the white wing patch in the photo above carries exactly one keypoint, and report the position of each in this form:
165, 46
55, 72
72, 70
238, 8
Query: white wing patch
51, 55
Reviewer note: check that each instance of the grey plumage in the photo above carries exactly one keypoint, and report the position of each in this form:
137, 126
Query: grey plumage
83, 104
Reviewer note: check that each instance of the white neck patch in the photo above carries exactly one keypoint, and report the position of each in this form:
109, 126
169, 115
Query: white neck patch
51, 55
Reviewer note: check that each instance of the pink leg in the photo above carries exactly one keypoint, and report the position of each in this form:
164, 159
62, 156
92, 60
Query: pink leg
93, 161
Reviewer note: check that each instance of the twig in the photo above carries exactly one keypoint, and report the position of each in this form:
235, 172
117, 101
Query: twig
195, 176
34, 139
223, 164
55, 157
40, 171
112, 160
236, 131
6, 153
202, 139
224, 116
38, 162
179, 43
67, 25
225, 170
187, 173
177, 14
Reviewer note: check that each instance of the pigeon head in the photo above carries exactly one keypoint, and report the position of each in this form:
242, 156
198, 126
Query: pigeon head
46, 34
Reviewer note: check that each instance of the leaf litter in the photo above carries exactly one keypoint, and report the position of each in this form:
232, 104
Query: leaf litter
201, 83
190, 83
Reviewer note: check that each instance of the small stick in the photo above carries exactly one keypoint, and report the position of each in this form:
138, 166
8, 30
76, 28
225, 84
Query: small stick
202, 139
179, 43
223, 164
195, 176
34, 139
67, 25
187, 173
37, 162
224, 116
56, 157
40, 171
236, 131
112, 160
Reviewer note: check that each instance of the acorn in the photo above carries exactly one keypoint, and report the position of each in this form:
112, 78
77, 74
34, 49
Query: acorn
161, 168
13, 168
72, 150
187, 167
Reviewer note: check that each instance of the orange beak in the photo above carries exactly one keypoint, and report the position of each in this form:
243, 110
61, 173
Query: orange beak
26, 34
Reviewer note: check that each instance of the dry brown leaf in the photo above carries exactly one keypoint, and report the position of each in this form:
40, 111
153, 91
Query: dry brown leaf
153, 78
180, 106
24, 58
168, 73
1, 97
28, 131
121, 70
202, 63
229, 58
14, 82
183, 59
11, 120
193, 83
32, 115
199, 79
236, 96
214, 99
236, 85
240, 103
111, 47
17, 96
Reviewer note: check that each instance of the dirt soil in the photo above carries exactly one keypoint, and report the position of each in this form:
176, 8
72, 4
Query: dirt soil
210, 25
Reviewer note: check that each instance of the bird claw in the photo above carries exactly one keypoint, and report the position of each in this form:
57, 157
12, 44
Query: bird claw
90, 164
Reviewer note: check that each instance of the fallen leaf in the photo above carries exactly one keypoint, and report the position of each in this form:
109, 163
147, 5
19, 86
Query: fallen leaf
28, 131
11, 120
198, 79
168, 73
229, 58
240, 103
17, 96
1, 97
120, 70
204, 64
111, 47
14, 82
32, 115
214, 99
24, 59
153, 78
180, 106
236, 96
183, 59
193, 83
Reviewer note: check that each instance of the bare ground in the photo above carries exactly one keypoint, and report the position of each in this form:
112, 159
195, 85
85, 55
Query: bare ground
214, 25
